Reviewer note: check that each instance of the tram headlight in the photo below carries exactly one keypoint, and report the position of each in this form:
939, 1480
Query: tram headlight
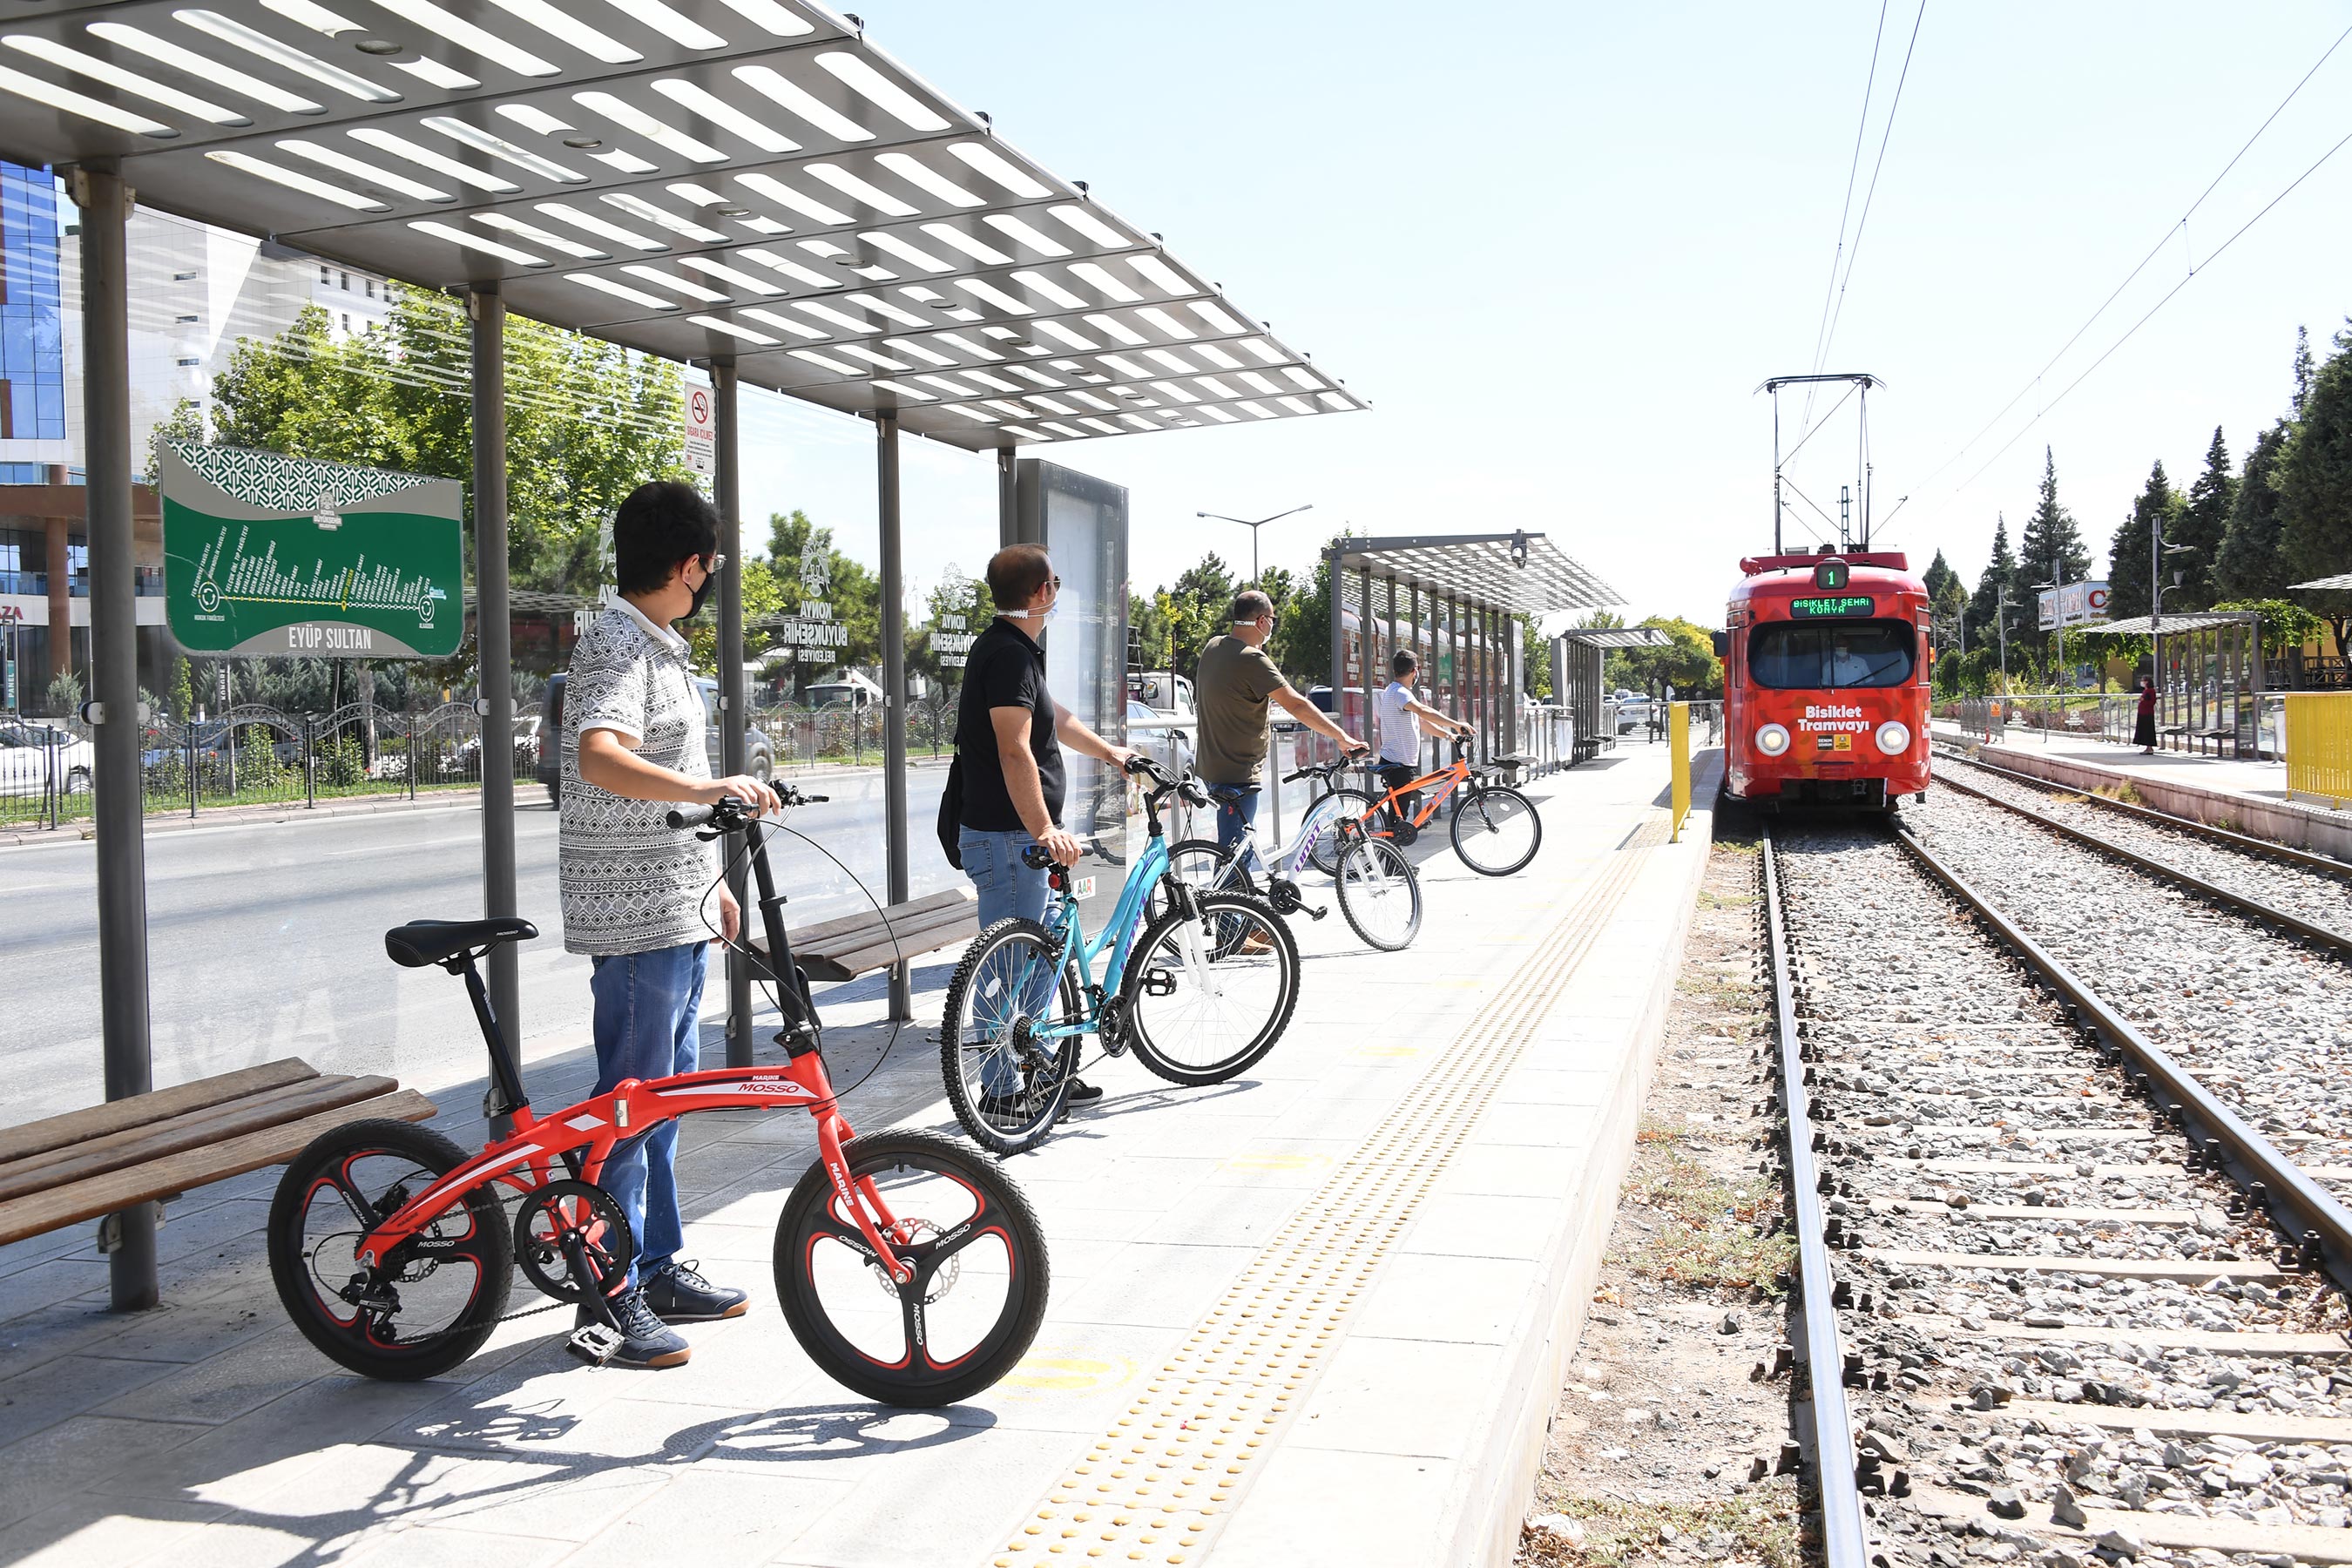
1894, 737
1772, 739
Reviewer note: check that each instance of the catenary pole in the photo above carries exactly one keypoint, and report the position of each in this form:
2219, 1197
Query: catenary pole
105, 204
491, 631
894, 691
734, 708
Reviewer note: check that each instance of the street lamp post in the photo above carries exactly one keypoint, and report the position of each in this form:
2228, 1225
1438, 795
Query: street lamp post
1253, 527
2157, 549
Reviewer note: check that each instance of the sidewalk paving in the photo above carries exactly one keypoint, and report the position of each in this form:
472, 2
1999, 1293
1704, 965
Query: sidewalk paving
1436, 1140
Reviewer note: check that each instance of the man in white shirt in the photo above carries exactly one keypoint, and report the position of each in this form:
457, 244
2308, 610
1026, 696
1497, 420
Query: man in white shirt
1399, 715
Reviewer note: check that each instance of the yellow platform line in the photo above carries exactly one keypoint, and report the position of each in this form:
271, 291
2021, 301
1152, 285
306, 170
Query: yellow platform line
1154, 1487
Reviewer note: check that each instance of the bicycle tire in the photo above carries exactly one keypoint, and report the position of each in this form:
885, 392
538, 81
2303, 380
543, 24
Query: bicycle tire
916, 1382
1004, 1132
1219, 910
354, 1344
1474, 817
1353, 802
1372, 867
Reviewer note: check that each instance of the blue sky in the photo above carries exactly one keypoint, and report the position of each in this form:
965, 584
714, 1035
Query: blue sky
1558, 247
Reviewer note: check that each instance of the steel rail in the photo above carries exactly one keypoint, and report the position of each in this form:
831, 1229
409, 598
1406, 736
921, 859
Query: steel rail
2250, 1158
2229, 897
2265, 849
1844, 1540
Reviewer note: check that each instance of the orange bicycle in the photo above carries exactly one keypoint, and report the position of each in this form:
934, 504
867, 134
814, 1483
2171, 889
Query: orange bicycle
1495, 828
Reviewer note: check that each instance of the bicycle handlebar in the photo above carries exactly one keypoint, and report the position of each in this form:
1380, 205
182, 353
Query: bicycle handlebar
728, 814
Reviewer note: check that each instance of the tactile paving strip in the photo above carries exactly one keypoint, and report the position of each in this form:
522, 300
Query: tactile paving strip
1157, 1485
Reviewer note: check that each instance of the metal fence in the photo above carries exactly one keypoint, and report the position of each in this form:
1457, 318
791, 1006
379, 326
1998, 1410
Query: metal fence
2251, 724
254, 755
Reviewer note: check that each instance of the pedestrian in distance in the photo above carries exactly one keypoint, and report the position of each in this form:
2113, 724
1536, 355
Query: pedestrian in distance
2144, 727
1008, 745
635, 889
1401, 713
1233, 686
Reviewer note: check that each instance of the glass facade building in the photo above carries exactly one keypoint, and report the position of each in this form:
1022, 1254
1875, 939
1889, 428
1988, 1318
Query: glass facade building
32, 328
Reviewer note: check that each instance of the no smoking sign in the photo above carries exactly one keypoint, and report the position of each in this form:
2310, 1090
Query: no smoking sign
701, 432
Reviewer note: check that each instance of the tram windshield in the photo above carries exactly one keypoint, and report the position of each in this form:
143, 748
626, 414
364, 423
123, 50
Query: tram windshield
1795, 656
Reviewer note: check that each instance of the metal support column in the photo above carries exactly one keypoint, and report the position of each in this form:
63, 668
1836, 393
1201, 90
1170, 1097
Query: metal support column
733, 707
116, 807
1336, 577
894, 693
1364, 640
495, 649
1008, 506
1514, 682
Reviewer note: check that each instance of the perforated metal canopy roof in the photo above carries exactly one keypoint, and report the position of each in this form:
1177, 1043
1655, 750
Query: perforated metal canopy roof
1524, 574
2341, 581
1617, 636
695, 178
2192, 621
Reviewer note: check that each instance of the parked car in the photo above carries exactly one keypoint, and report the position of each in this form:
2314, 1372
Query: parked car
853, 689
759, 752
29, 752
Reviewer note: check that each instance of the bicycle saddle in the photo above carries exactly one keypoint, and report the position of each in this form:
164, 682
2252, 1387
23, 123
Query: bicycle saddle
420, 943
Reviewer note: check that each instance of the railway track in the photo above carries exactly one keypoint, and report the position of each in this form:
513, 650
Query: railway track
2077, 1302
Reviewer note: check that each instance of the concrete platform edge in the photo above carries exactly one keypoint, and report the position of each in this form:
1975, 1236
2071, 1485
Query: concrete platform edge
1500, 1482
2295, 825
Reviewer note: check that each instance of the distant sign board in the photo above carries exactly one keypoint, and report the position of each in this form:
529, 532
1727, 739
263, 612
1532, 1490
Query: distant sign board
1843, 605
701, 443
267, 554
2075, 604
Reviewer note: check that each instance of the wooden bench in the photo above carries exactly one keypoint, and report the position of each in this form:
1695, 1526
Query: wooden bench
2215, 739
88, 1164
858, 944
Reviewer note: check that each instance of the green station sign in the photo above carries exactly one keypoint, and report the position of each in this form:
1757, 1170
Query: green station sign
1843, 606
267, 554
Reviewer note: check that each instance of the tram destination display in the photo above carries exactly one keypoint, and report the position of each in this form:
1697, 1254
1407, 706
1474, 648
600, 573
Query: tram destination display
1840, 606
269, 554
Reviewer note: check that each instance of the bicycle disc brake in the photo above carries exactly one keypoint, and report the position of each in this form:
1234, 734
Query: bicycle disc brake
944, 1281
572, 1210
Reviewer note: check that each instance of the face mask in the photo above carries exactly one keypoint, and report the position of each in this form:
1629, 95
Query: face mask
1040, 617
702, 594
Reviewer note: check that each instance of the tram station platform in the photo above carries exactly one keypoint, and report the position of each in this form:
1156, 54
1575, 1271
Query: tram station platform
1315, 1316
2244, 795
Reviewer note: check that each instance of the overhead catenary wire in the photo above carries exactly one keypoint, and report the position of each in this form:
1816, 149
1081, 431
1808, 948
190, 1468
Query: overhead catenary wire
1853, 169
1853, 252
2133, 329
2163, 241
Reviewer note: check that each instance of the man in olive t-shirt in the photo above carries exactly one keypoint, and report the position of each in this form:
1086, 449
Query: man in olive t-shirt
1234, 681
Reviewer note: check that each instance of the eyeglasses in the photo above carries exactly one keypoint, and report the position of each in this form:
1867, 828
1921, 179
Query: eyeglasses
714, 563
1058, 585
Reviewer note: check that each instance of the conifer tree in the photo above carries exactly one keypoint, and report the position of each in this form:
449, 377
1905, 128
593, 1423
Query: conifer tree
2248, 565
2050, 545
2160, 507
2203, 523
2315, 486
2001, 573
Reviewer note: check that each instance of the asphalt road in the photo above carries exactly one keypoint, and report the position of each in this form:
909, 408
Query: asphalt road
266, 939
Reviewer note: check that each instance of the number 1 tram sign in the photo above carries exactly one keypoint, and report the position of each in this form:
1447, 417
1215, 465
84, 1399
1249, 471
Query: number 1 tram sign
267, 555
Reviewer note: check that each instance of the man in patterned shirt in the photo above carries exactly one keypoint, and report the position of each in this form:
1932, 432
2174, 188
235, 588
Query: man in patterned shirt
635, 889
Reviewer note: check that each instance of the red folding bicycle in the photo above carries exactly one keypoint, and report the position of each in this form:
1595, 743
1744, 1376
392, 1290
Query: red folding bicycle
910, 1268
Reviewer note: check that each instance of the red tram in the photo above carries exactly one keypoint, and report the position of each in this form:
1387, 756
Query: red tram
1825, 681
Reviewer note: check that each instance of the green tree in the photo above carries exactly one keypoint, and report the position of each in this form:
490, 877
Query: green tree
1949, 608
1999, 576
2248, 565
802, 556
1686, 662
1939, 574
185, 423
2204, 523
2314, 487
2159, 506
2051, 545
1535, 658
1301, 644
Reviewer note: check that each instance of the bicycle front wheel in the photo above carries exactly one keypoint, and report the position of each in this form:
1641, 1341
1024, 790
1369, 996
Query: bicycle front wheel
437, 1297
1007, 1086
1204, 998
1497, 830
1345, 804
981, 1274
1380, 893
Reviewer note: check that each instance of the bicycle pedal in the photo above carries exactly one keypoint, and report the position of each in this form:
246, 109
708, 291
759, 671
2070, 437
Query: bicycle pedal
1314, 912
593, 1343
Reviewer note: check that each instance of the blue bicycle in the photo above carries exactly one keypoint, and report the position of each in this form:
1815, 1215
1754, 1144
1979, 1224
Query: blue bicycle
1199, 983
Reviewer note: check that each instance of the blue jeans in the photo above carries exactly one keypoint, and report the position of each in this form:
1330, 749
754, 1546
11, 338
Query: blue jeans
1237, 817
648, 1024
1007, 889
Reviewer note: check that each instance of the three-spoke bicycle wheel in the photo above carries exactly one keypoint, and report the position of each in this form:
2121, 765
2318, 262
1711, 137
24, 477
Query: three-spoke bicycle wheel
980, 1270
1496, 830
1205, 997
1007, 1084
1380, 893
439, 1294
1346, 804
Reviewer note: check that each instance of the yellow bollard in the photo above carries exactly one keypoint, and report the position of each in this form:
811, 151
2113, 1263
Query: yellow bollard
2319, 747
1678, 745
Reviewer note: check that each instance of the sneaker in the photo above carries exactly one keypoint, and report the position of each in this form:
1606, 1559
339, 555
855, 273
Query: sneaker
646, 1341
678, 1295
1084, 1093
1255, 944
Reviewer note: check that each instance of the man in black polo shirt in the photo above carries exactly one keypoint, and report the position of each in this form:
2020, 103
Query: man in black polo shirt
1009, 736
